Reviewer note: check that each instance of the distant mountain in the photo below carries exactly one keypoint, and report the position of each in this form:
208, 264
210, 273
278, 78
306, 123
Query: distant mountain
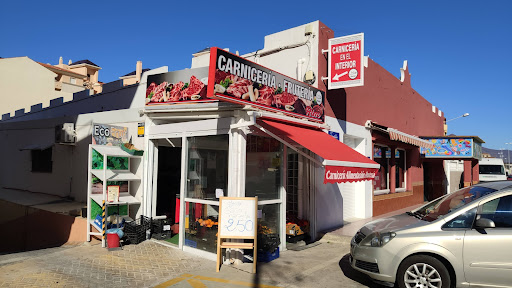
497, 153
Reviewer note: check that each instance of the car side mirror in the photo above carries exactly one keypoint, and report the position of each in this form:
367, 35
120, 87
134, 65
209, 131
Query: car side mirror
483, 223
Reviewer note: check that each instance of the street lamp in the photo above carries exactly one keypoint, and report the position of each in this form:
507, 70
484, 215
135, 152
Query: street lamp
445, 121
463, 115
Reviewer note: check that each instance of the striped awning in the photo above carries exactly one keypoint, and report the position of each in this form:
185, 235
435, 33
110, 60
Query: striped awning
409, 139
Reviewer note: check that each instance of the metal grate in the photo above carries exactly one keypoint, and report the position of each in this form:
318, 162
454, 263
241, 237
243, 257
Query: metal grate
292, 184
368, 266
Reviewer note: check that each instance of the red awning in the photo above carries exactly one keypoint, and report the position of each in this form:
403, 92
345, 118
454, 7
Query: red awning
342, 163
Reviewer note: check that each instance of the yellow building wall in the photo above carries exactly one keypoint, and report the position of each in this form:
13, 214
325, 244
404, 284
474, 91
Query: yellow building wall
23, 83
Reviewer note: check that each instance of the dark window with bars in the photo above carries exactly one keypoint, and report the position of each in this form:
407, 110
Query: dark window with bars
292, 184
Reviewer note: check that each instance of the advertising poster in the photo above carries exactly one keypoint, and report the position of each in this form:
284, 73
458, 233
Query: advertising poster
450, 148
183, 86
235, 79
346, 55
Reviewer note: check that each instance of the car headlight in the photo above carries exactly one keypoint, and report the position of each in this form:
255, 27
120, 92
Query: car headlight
377, 239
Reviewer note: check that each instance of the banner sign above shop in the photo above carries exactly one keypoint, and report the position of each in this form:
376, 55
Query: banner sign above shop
346, 55
453, 148
183, 86
235, 79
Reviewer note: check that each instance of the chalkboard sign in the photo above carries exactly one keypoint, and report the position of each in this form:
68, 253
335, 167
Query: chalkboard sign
237, 220
238, 217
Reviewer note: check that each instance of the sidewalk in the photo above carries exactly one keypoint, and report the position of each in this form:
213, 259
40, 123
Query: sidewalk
350, 229
149, 264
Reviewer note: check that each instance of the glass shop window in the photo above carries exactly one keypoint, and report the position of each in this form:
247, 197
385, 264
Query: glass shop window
201, 226
207, 166
382, 155
263, 167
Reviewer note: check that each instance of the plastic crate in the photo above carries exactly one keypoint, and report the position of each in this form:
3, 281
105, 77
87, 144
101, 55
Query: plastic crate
190, 243
161, 225
138, 230
266, 256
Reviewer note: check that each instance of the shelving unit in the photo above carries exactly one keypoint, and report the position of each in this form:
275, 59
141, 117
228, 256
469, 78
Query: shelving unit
105, 175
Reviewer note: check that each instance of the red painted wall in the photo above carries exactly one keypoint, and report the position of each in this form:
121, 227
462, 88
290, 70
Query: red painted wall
386, 100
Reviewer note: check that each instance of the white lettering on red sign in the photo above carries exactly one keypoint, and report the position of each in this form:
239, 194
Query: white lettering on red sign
348, 175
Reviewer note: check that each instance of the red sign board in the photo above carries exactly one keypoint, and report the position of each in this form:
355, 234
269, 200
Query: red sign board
340, 174
346, 61
238, 80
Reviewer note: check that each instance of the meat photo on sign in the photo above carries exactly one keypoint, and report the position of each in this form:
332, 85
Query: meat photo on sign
166, 92
244, 89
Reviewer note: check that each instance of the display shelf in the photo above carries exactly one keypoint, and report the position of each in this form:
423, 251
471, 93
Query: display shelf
124, 198
113, 151
106, 175
115, 175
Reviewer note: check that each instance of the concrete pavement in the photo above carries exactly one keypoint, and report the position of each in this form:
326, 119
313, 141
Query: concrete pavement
150, 264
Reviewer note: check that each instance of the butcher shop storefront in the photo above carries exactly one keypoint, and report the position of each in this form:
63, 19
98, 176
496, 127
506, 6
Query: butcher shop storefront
238, 129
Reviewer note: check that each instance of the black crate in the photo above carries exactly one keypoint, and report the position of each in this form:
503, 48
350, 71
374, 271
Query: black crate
268, 242
158, 225
162, 236
138, 230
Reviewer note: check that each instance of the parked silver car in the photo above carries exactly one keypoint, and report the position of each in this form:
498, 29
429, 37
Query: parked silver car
462, 239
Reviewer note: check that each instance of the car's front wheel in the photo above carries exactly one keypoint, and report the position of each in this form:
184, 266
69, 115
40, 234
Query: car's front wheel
422, 271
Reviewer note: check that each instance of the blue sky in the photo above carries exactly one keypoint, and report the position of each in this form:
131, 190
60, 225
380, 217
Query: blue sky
458, 51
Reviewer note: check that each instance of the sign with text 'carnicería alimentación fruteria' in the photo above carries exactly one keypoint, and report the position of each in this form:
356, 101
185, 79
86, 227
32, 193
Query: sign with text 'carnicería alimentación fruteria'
238, 80
346, 56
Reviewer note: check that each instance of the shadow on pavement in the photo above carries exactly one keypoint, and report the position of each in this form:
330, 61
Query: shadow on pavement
356, 275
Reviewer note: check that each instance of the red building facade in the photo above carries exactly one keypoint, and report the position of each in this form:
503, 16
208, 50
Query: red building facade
386, 103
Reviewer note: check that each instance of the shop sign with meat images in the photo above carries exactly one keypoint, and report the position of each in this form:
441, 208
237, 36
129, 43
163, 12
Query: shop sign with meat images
235, 79
183, 86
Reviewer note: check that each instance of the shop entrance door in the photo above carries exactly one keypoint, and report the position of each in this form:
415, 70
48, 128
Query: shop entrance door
189, 172
168, 194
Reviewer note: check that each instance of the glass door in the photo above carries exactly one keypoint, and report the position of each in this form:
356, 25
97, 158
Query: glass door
264, 178
206, 181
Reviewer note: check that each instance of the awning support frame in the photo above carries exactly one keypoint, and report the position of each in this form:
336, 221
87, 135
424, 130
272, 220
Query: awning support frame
288, 144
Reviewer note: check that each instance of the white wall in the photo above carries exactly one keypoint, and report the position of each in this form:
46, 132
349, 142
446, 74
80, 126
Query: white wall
69, 173
337, 204
290, 61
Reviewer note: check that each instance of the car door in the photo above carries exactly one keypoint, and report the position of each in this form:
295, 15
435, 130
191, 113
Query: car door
487, 253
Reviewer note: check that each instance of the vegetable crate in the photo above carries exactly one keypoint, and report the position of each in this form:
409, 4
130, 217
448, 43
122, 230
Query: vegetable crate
138, 230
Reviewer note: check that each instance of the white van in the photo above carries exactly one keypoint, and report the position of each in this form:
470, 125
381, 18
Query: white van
491, 169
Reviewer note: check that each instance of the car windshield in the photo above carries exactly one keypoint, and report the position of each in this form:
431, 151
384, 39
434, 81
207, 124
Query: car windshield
451, 202
492, 169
